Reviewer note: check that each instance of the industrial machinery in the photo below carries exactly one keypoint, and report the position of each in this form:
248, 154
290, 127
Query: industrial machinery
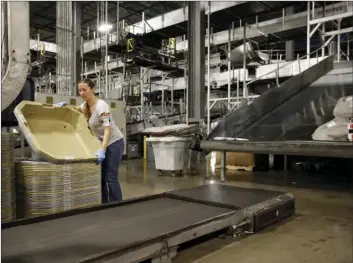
144, 228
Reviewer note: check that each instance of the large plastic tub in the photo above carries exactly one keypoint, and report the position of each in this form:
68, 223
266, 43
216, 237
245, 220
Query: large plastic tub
58, 135
170, 153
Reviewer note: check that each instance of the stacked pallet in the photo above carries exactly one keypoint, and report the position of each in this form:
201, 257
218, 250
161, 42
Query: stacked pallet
8, 200
44, 188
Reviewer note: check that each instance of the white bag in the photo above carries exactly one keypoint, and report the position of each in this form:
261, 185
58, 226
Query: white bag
344, 107
334, 130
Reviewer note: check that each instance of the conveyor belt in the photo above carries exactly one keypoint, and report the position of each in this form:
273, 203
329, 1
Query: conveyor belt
125, 230
72, 238
262, 207
225, 196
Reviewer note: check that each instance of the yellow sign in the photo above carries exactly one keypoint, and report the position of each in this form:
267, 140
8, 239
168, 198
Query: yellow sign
130, 44
136, 90
171, 43
42, 49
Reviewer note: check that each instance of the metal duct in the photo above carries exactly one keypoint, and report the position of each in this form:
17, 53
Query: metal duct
237, 55
16, 19
4, 60
64, 42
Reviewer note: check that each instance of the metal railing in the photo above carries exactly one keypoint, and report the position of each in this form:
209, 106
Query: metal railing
276, 71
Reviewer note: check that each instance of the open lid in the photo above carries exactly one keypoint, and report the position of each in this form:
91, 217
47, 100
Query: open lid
59, 135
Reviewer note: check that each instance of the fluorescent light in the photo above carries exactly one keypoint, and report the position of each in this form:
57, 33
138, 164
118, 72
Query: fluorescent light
105, 27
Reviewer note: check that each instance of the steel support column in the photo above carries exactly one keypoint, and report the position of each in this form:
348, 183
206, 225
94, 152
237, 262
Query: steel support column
319, 25
196, 62
77, 46
289, 44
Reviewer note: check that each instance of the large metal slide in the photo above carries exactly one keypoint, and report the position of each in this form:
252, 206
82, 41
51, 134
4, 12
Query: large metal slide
295, 109
150, 227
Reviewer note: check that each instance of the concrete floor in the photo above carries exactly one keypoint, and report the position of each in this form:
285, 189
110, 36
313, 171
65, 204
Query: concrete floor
321, 230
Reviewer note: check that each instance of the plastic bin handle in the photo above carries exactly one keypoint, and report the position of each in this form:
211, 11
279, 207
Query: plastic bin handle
47, 105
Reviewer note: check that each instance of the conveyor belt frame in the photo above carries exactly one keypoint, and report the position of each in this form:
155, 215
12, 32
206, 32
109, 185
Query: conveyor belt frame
303, 148
163, 248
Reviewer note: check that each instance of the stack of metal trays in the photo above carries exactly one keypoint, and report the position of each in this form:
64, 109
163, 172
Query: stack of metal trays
8, 197
44, 188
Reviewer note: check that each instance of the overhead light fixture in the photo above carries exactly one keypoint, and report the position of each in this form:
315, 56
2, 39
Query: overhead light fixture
105, 27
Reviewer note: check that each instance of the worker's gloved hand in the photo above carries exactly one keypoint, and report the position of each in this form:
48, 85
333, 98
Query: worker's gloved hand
101, 155
60, 104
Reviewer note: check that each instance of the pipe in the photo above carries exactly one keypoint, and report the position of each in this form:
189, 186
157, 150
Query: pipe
339, 41
142, 74
106, 51
98, 19
323, 40
18, 52
348, 48
4, 39
163, 78
238, 85
208, 68
308, 35
83, 63
244, 223
117, 21
245, 92
172, 97
229, 69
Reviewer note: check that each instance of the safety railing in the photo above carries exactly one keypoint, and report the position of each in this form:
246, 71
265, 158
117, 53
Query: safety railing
276, 71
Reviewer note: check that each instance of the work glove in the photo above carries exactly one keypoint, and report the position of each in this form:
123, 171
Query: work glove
101, 155
60, 104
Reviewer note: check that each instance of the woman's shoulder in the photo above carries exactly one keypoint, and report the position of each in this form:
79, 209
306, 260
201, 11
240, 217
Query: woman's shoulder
102, 105
102, 102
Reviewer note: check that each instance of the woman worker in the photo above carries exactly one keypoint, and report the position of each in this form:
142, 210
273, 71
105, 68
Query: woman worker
102, 126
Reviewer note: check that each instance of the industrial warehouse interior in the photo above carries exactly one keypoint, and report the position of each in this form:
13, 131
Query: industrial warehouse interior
176, 132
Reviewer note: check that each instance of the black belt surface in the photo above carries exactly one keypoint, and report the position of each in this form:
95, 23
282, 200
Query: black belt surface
225, 196
70, 239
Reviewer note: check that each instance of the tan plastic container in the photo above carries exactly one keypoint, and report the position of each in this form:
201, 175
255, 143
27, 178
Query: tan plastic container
58, 135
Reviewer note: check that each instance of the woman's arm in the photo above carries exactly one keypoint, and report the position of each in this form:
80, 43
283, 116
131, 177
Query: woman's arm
106, 124
104, 114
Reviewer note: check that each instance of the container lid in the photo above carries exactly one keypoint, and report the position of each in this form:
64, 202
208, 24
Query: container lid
59, 135
169, 139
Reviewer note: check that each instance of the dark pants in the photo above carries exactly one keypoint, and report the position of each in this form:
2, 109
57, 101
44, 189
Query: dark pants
111, 190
